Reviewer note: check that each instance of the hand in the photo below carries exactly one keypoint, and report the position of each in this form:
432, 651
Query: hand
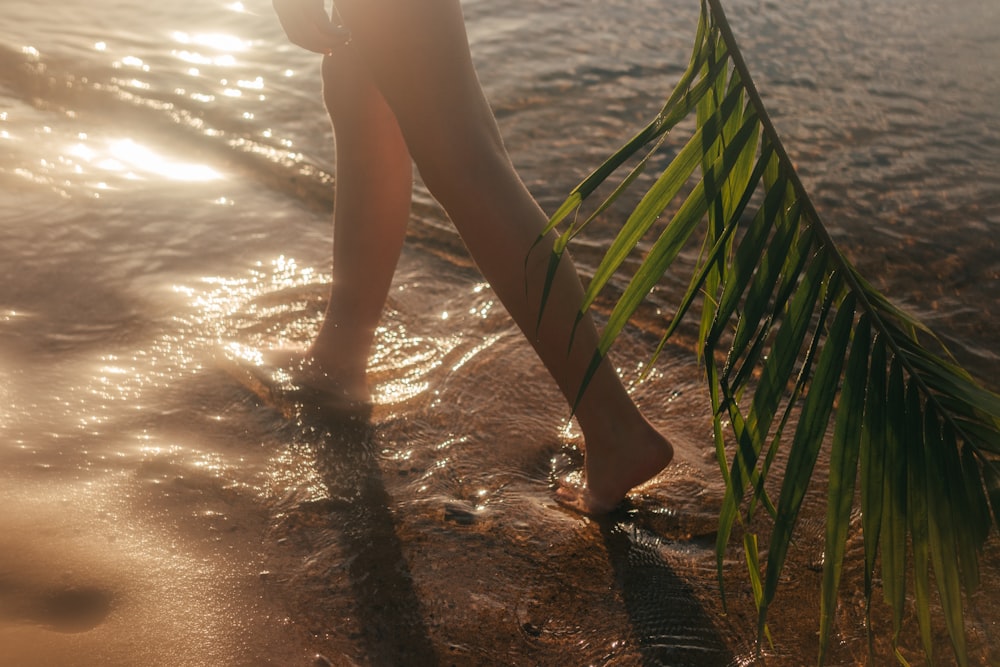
307, 25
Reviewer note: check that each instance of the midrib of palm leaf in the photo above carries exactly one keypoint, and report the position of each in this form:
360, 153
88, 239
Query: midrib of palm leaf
801, 332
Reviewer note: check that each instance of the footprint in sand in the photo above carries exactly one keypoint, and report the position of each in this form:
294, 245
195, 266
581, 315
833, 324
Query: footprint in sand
66, 609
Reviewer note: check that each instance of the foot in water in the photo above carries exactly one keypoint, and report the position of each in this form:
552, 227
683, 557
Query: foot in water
307, 378
613, 468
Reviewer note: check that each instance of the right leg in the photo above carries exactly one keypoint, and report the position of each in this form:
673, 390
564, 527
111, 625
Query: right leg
418, 55
371, 210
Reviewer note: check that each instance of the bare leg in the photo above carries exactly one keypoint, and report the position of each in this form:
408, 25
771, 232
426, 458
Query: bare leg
372, 207
418, 55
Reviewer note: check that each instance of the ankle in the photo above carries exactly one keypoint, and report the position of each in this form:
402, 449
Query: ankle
610, 423
617, 460
336, 353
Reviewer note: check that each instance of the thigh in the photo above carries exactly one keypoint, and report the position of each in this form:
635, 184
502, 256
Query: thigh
351, 97
417, 53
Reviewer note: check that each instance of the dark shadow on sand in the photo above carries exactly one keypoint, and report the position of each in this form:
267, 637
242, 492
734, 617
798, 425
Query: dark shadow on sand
388, 608
385, 606
668, 622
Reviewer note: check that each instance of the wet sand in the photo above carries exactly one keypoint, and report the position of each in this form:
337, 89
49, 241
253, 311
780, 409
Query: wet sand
358, 543
88, 577
208, 528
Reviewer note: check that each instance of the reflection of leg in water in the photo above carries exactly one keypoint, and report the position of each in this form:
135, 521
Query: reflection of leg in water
411, 64
387, 606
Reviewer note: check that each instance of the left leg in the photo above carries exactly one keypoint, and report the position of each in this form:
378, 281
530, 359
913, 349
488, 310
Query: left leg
371, 211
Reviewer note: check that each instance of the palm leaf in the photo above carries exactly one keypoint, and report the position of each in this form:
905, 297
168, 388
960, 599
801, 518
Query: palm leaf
791, 335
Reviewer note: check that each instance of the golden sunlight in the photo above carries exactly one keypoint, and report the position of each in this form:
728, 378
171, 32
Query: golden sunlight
134, 161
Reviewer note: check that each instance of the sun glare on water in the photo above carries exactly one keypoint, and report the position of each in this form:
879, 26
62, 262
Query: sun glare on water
134, 161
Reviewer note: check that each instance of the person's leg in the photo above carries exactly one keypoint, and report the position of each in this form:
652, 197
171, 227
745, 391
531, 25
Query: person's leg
418, 55
371, 210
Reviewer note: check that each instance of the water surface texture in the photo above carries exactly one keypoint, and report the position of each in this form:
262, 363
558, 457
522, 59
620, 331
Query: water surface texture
165, 188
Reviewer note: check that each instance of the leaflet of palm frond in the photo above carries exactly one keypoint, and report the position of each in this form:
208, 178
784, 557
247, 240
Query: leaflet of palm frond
761, 226
918, 512
735, 189
688, 92
767, 293
872, 457
664, 191
844, 454
775, 373
940, 445
664, 249
805, 446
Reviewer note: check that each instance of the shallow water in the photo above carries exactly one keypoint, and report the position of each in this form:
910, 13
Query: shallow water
164, 193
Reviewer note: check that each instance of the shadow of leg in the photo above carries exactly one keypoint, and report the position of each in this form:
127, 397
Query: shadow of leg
669, 623
386, 602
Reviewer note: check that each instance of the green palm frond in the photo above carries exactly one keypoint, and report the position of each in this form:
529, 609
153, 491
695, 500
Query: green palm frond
792, 335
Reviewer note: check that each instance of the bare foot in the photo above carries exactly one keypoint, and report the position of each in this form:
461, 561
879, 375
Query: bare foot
580, 499
331, 387
615, 468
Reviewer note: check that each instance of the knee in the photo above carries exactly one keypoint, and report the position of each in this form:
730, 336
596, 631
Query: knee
461, 164
359, 113
347, 91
